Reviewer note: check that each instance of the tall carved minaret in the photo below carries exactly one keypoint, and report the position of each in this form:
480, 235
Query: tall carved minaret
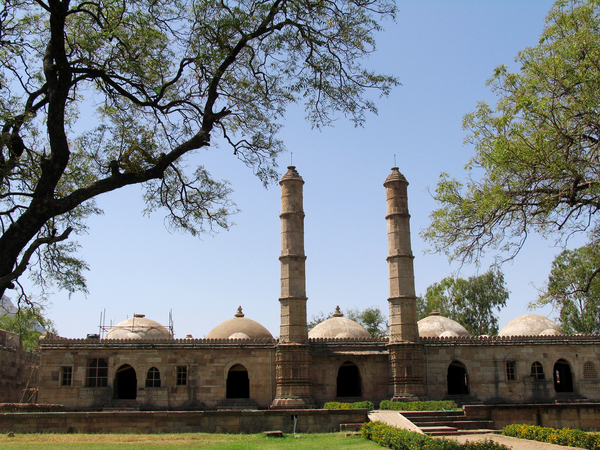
293, 357
406, 353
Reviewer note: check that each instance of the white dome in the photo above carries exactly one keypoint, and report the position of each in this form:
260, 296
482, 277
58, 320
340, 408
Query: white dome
138, 327
239, 328
528, 325
339, 327
435, 325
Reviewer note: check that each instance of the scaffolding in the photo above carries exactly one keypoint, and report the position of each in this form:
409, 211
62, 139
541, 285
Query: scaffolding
103, 329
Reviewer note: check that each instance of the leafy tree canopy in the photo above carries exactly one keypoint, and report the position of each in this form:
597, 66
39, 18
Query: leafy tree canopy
538, 148
27, 321
158, 80
473, 302
573, 290
372, 319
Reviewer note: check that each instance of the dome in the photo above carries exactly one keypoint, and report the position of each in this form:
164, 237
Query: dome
138, 327
339, 327
239, 328
435, 325
528, 325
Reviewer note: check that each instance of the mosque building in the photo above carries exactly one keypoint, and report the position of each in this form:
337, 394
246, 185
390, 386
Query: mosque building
240, 365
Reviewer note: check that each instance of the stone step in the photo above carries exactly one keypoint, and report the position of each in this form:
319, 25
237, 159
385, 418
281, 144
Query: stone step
350, 426
460, 424
417, 414
441, 429
463, 432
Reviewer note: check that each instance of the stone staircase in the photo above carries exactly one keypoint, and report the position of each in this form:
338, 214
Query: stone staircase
434, 423
237, 404
444, 423
121, 405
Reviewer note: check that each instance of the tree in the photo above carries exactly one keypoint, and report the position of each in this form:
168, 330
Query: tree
472, 302
573, 291
160, 79
372, 319
538, 149
28, 322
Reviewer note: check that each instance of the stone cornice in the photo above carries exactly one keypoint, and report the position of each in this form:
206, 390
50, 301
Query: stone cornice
585, 339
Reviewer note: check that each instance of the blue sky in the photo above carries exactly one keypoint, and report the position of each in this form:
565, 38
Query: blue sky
443, 52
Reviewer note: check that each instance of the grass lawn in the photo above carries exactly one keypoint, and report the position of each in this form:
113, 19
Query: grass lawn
321, 441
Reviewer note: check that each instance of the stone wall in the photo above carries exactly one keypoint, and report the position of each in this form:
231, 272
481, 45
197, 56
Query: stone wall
308, 421
207, 363
583, 416
371, 358
485, 361
16, 366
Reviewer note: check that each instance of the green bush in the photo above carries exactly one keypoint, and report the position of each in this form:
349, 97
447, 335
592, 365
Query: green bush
563, 436
418, 406
356, 405
398, 439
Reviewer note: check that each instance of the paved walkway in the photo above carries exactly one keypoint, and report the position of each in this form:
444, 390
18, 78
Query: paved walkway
512, 442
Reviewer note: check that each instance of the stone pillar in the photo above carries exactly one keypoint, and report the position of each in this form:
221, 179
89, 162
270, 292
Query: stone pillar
406, 353
293, 358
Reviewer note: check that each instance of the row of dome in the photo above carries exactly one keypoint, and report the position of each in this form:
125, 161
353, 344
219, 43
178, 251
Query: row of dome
337, 327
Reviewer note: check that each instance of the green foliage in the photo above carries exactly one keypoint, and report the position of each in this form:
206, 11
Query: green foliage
372, 319
398, 439
354, 405
430, 405
564, 436
573, 289
96, 96
537, 149
473, 302
27, 321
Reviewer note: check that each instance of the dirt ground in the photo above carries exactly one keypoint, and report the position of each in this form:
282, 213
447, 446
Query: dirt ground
514, 443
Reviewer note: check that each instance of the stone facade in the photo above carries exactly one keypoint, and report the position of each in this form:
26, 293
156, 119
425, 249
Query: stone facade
298, 371
192, 373
499, 369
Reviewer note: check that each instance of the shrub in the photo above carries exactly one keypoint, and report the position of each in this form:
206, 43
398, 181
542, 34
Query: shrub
356, 405
418, 406
398, 439
564, 436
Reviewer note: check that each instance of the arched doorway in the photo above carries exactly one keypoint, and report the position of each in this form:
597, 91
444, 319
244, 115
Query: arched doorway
348, 380
238, 383
563, 380
458, 380
125, 382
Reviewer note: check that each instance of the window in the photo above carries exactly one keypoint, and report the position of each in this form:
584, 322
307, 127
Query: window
153, 378
182, 376
66, 376
537, 371
511, 370
589, 370
97, 373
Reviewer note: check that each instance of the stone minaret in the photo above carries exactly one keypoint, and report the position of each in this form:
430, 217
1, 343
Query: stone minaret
406, 353
293, 358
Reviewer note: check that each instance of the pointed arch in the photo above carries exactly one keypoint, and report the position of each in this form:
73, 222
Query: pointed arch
153, 377
563, 379
348, 380
125, 386
457, 379
238, 383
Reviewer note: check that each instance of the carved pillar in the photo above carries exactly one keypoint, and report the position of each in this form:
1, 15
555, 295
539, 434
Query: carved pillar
406, 353
293, 358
